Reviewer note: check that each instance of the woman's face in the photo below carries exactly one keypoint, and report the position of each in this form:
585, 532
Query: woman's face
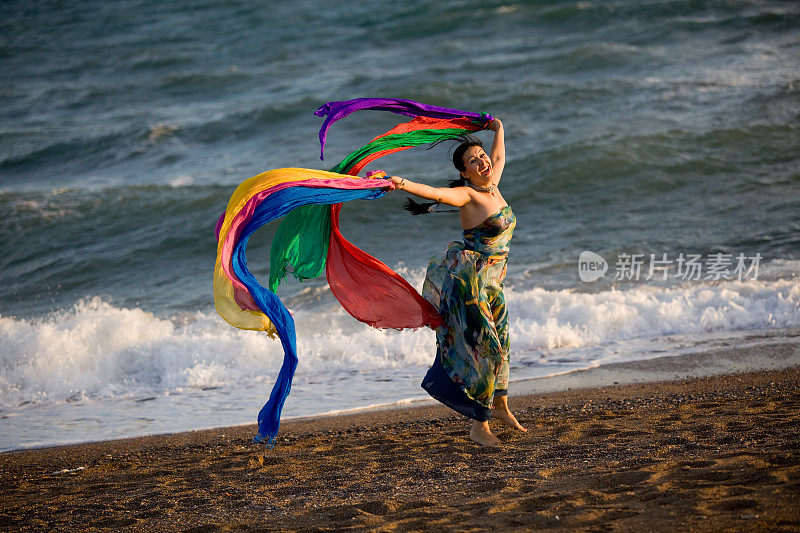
477, 165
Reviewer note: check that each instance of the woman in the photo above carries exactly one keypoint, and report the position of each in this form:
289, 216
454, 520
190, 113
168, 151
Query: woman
465, 284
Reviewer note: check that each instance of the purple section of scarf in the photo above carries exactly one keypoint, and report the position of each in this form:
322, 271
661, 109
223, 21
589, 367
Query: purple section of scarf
338, 110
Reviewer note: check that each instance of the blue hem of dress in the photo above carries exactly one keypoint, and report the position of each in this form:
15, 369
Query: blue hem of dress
441, 387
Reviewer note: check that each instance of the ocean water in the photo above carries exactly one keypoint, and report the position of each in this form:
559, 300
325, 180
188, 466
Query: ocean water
658, 132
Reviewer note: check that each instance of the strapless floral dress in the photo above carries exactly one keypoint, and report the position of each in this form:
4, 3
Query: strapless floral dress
465, 284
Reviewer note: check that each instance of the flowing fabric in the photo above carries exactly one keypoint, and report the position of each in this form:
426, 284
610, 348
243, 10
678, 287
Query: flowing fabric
300, 245
308, 241
372, 292
238, 296
259, 200
338, 110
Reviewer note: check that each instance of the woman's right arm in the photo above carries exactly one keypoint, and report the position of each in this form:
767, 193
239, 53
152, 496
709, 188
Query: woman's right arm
457, 196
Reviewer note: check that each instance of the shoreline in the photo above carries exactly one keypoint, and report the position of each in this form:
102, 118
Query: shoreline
710, 453
770, 354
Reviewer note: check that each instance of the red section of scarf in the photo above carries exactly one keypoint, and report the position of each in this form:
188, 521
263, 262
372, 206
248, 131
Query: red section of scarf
371, 291
427, 123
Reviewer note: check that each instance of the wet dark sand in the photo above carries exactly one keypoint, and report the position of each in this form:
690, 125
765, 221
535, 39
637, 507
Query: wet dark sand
711, 454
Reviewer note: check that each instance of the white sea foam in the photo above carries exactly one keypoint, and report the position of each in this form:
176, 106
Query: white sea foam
557, 319
97, 350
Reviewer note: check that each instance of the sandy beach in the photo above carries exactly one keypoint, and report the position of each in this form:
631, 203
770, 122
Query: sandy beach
702, 454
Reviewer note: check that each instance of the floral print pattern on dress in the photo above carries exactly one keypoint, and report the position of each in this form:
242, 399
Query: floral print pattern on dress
465, 284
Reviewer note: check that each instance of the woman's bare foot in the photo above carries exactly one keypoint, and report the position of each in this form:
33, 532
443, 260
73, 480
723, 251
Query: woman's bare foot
481, 434
504, 415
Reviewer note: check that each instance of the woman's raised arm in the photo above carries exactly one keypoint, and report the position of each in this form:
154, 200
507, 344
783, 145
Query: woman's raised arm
498, 153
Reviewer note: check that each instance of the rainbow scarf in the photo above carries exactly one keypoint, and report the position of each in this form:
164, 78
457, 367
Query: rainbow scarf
308, 240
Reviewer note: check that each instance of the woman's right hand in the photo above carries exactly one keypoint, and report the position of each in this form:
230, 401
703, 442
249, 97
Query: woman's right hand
397, 181
494, 125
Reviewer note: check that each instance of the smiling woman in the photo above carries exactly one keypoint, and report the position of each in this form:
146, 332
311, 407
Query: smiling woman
465, 285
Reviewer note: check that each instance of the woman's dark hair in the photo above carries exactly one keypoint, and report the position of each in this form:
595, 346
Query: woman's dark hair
466, 142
